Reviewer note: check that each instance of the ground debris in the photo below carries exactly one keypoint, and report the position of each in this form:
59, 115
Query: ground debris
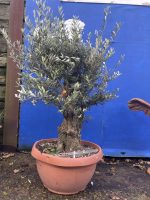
128, 182
113, 170
16, 171
5, 193
6, 155
92, 183
137, 165
111, 161
25, 152
23, 177
147, 162
11, 164
29, 181
115, 198
128, 160
148, 170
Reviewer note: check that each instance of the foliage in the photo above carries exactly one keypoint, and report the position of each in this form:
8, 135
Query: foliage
58, 66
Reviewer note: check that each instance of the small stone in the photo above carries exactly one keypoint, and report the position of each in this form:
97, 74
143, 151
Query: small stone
115, 198
141, 161
10, 164
29, 181
5, 193
92, 183
16, 171
148, 162
23, 177
103, 161
138, 166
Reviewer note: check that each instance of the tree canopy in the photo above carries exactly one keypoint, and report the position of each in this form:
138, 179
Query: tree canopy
58, 66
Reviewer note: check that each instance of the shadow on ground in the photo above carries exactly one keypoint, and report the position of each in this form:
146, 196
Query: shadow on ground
115, 179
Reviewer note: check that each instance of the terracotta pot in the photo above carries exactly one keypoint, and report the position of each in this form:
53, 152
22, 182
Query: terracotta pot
65, 175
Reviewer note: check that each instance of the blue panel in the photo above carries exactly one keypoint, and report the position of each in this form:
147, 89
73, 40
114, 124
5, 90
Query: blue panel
119, 131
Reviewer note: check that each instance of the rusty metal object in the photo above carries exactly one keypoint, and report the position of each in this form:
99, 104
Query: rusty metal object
137, 104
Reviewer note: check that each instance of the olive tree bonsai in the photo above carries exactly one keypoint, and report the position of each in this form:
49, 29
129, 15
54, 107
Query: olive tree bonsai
59, 67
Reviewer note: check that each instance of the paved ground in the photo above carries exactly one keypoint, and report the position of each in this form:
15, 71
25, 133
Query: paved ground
115, 179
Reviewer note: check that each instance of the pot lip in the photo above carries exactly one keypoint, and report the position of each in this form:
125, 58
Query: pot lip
66, 162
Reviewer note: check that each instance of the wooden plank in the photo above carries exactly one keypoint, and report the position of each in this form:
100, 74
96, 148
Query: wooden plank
4, 24
1, 123
2, 71
3, 63
1, 139
4, 16
2, 93
2, 80
11, 115
3, 46
1, 127
2, 105
5, 1
129, 2
4, 12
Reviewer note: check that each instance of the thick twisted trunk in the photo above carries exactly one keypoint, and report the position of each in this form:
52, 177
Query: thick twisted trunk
69, 133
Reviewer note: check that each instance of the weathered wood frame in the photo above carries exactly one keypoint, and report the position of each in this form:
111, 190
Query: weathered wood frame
11, 115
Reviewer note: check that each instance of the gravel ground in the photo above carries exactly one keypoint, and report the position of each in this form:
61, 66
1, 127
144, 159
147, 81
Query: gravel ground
114, 179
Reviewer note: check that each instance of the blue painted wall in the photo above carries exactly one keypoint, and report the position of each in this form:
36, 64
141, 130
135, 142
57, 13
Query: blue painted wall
118, 130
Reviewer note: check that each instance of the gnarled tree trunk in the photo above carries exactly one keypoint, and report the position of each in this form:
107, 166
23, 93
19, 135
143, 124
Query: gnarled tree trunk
69, 132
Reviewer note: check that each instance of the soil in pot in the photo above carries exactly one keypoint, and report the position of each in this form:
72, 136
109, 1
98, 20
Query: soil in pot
51, 148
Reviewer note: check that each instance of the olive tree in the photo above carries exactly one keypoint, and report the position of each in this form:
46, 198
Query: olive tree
60, 67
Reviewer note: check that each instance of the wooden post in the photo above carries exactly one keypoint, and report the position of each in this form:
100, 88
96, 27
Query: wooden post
11, 115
